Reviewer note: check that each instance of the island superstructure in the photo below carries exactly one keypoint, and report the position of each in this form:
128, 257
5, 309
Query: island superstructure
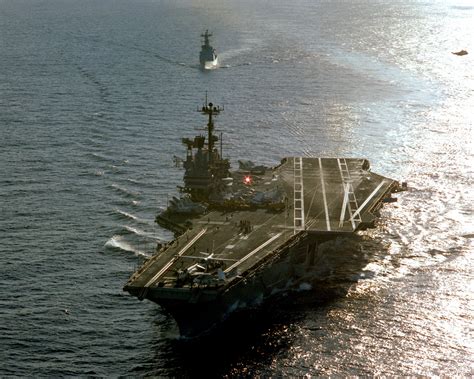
243, 235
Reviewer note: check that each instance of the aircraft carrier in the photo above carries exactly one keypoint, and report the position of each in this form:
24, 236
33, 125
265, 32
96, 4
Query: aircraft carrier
242, 236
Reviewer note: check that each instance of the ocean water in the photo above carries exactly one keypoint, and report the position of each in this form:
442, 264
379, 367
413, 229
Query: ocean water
94, 99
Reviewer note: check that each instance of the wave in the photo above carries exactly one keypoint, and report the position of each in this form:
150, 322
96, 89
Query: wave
134, 218
118, 242
142, 233
99, 157
125, 191
127, 215
134, 181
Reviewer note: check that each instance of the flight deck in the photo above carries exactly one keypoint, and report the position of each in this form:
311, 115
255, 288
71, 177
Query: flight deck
321, 196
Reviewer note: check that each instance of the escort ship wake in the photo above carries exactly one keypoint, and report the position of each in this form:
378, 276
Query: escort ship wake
244, 235
208, 56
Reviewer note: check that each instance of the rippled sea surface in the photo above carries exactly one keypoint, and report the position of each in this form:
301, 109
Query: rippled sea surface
94, 99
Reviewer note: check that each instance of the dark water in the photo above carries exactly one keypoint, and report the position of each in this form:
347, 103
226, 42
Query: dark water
94, 98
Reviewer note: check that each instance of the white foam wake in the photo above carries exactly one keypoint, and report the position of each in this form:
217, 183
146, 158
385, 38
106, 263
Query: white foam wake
142, 233
127, 215
125, 191
134, 218
118, 242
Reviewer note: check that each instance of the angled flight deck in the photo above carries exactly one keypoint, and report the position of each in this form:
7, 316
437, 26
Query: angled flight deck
332, 194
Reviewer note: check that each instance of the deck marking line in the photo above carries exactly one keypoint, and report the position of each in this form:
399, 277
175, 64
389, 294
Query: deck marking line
368, 199
298, 191
182, 251
254, 251
328, 224
344, 205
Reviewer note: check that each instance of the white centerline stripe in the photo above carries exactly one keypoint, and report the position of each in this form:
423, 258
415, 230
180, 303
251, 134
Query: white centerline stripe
368, 199
168, 265
256, 250
328, 224
344, 205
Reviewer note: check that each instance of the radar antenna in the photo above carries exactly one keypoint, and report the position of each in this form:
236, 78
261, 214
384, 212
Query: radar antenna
210, 110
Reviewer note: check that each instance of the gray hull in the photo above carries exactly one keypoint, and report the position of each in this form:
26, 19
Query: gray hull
197, 311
